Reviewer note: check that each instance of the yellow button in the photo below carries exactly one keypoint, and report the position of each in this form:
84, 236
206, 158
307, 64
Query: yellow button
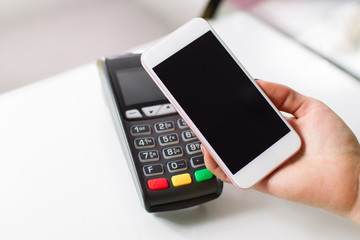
181, 180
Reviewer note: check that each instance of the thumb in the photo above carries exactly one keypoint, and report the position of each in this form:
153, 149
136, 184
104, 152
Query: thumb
285, 98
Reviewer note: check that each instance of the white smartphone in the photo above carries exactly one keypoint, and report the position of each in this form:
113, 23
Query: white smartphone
229, 113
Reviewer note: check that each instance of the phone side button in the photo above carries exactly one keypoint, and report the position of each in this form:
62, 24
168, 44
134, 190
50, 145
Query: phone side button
157, 184
181, 180
203, 175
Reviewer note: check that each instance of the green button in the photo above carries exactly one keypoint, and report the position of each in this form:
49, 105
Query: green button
203, 175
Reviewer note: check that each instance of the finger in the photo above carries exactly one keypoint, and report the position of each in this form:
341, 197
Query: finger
285, 98
213, 166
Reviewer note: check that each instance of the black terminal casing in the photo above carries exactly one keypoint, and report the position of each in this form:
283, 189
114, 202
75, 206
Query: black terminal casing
172, 198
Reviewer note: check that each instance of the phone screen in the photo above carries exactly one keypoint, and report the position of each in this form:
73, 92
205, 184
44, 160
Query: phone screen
222, 101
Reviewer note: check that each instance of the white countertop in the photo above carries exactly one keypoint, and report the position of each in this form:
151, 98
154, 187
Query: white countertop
63, 174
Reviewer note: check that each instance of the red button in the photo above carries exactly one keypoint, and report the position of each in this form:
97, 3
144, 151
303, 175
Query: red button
157, 184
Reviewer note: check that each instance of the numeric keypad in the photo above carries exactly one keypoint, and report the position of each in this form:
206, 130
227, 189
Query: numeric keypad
168, 151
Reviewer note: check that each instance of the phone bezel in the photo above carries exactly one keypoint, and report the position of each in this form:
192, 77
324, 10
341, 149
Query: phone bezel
263, 164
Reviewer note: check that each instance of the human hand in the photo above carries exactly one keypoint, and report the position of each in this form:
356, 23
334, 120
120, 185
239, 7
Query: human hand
325, 172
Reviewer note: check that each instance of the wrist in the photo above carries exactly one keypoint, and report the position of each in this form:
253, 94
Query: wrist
354, 214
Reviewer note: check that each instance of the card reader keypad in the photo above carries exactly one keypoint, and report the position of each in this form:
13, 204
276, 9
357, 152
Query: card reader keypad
170, 154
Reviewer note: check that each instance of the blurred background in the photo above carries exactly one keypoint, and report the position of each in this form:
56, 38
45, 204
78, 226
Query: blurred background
41, 38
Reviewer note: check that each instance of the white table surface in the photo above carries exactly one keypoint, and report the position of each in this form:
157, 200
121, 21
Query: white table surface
63, 174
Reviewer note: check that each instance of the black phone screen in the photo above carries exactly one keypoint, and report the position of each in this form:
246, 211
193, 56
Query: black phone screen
222, 101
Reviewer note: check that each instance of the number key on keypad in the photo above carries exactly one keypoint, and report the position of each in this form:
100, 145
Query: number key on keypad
146, 142
188, 135
138, 130
164, 126
172, 152
181, 123
192, 148
176, 166
168, 139
149, 156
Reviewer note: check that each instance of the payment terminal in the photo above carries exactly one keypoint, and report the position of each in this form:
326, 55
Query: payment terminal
163, 154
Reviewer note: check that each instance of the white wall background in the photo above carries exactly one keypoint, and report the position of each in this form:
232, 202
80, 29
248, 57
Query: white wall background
40, 38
